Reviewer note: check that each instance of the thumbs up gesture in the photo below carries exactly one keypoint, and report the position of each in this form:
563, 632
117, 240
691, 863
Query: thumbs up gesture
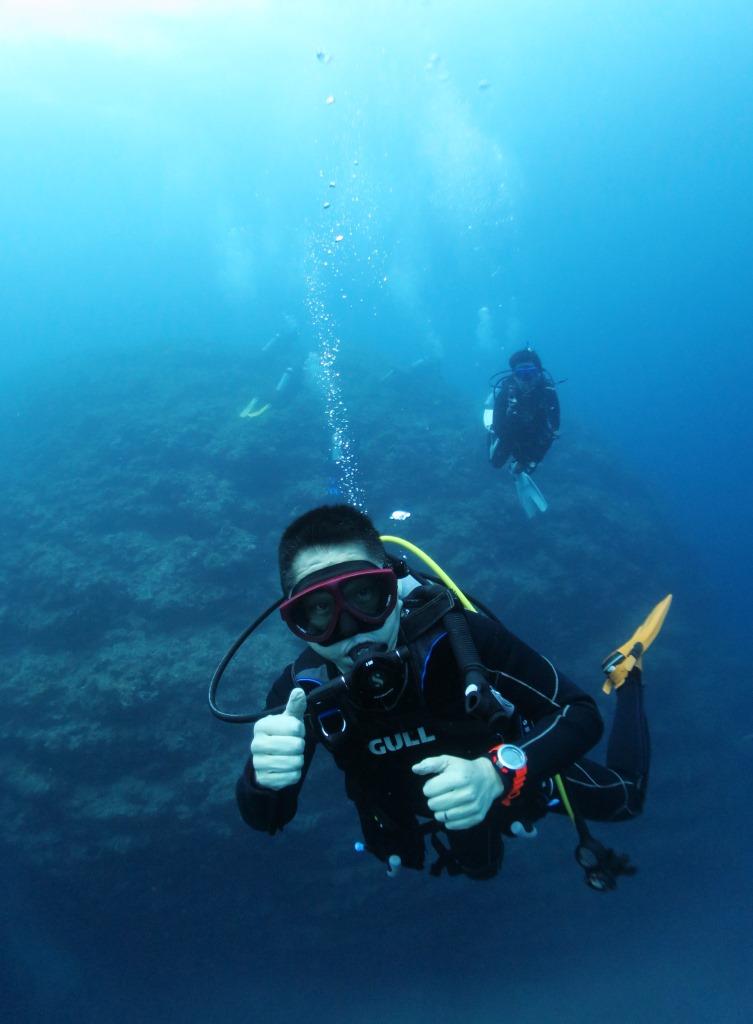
278, 743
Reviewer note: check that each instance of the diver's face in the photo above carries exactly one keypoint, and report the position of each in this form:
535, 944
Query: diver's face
318, 560
527, 376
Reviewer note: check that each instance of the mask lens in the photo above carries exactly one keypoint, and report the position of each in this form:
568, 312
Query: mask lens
526, 371
369, 596
315, 611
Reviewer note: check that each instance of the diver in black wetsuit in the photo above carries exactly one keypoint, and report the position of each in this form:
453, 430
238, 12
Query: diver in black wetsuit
525, 414
418, 759
278, 369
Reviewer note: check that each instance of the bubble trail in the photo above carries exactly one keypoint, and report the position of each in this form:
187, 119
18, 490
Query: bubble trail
342, 447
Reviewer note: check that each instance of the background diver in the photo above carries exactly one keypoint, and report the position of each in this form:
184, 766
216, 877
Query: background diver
428, 749
522, 417
278, 366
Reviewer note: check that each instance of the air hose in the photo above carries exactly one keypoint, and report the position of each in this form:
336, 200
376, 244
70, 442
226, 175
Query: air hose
448, 582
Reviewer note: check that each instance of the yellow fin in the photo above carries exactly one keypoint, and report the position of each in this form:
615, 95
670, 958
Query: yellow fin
621, 661
251, 412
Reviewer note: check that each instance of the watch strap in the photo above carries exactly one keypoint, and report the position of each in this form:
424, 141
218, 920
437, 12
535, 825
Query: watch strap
512, 778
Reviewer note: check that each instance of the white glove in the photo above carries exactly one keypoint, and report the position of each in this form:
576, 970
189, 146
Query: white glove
461, 791
277, 746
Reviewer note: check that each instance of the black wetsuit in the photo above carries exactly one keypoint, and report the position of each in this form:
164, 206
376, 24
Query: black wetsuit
556, 723
524, 423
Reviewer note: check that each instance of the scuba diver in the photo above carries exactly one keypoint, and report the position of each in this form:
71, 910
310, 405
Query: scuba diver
416, 373
445, 725
522, 417
281, 362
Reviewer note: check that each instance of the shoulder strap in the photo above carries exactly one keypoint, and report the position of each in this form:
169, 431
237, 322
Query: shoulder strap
423, 608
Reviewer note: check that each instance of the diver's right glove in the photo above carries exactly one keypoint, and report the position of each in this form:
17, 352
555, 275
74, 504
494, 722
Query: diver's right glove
278, 744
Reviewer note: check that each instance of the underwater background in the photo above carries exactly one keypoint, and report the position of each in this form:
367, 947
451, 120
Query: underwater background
412, 190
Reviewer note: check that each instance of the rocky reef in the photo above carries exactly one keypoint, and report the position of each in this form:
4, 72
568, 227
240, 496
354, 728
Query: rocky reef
139, 528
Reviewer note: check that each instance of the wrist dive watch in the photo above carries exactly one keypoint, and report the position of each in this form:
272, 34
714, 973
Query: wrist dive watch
512, 765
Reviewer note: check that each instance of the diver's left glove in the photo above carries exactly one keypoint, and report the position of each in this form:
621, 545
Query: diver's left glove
278, 744
461, 791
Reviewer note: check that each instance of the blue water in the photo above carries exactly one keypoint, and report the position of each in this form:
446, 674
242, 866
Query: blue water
579, 170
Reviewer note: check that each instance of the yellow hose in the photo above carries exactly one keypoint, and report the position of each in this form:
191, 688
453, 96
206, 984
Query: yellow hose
437, 570
564, 797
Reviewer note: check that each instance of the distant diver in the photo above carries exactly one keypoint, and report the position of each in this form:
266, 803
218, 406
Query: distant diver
447, 727
522, 417
281, 362
411, 374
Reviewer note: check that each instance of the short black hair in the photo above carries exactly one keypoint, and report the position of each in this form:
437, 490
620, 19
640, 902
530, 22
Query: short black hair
525, 355
328, 524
